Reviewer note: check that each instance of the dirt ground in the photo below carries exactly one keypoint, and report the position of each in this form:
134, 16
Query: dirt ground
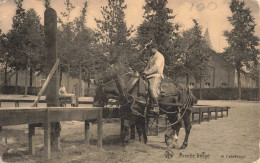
230, 139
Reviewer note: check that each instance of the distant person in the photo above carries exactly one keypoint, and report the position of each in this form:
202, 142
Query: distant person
62, 90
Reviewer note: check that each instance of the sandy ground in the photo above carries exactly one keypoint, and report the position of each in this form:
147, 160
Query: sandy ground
230, 139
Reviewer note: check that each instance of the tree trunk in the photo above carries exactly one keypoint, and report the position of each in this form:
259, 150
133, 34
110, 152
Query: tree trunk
239, 83
258, 81
60, 76
79, 88
200, 89
88, 84
26, 81
16, 81
31, 77
5, 74
68, 79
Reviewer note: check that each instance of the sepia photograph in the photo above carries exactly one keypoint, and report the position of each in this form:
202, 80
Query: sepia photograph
111, 81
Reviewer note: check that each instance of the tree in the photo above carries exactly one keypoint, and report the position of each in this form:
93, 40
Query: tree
158, 27
112, 30
16, 41
65, 37
25, 41
193, 55
82, 45
242, 41
33, 43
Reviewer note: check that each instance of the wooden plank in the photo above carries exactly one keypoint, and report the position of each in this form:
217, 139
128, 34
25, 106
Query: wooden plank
16, 103
16, 117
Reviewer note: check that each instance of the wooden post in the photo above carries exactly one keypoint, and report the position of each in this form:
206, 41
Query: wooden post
192, 117
52, 95
47, 135
99, 128
216, 113
222, 112
31, 139
17, 103
227, 111
86, 132
199, 115
209, 114
50, 29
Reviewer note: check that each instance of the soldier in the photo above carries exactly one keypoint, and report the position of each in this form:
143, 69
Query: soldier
154, 73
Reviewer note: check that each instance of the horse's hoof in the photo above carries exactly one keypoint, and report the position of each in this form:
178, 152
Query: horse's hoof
183, 146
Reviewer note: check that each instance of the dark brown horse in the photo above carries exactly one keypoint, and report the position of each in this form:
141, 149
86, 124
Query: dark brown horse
124, 84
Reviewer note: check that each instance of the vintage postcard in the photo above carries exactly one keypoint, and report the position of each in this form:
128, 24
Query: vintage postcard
130, 81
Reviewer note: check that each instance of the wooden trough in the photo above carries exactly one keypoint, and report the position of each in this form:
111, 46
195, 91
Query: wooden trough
205, 109
33, 116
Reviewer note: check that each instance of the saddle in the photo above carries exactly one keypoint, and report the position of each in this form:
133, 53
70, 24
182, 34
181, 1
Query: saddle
166, 88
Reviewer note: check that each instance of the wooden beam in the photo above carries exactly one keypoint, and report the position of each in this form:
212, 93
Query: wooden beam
54, 68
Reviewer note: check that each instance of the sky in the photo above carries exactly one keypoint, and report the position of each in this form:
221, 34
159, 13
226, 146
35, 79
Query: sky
211, 14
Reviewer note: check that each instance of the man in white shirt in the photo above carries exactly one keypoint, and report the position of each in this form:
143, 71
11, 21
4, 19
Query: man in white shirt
154, 74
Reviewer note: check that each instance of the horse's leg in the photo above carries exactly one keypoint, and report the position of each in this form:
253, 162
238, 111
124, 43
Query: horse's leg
139, 128
171, 137
132, 126
122, 134
187, 124
145, 128
133, 131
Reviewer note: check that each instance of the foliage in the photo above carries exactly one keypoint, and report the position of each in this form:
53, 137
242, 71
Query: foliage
242, 42
158, 27
193, 54
83, 42
242, 51
65, 36
112, 30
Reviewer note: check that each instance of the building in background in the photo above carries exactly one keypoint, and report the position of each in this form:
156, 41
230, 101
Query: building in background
221, 72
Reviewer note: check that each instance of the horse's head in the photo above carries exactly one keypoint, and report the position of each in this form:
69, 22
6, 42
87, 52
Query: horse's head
106, 87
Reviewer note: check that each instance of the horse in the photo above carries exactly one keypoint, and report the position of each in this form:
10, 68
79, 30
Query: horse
121, 82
